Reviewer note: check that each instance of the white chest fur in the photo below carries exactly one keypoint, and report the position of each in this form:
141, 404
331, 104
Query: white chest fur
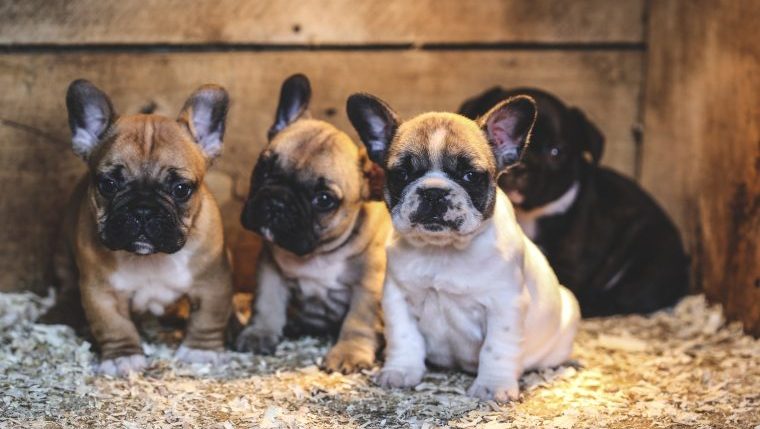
315, 275
528, 219
499, 287
153, 281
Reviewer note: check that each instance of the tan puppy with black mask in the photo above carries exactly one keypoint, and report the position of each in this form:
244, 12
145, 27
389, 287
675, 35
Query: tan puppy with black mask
323, 265
465, 287
141, 229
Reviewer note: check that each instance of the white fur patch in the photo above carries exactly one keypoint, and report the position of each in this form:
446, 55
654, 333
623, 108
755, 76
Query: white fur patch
316, 274
154, 281
494, 307
528, 219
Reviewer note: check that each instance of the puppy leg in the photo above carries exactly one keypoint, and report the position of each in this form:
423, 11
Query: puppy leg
210, 309
264, 331
500, 360
119, 341
357, 343
405, 352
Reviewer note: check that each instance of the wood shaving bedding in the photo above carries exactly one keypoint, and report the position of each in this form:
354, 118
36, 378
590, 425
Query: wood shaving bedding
684, 367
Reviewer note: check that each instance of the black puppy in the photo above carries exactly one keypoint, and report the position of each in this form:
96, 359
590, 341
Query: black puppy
608, 241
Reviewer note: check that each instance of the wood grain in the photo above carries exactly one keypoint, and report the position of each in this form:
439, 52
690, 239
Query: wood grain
702, 142
316, 22
37, 168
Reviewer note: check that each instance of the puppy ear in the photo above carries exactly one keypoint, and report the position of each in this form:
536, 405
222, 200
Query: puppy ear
204, 114
508, 126
295, 95
90, 116
586, 133
375, 122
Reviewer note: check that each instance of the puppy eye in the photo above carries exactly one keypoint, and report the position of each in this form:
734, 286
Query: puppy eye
324, 201
554, 151
107, 187
400, 175
182, 191
472, 177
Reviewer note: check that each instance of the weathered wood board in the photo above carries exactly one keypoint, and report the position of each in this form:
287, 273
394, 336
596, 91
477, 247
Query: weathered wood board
701, 154
320, 21
37, 168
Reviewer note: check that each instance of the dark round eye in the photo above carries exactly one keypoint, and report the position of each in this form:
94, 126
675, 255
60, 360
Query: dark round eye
324, 201
107, 187
554, 151
400, 175
181, 191
472, 177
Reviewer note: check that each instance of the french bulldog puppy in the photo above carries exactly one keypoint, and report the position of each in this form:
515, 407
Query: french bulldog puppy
464, 287
607, 240
141, 230
323, 263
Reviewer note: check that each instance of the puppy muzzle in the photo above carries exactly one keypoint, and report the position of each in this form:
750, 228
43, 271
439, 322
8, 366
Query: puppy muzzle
281, 217
431, 213
143, 227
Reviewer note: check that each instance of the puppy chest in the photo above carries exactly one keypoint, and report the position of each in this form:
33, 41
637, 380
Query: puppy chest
319, 294
153, 282
453, 327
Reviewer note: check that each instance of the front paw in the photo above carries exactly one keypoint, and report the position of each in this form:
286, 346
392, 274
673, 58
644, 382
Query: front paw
193, 355
348, 358
498, 390
258, 341
122, 366
399, 377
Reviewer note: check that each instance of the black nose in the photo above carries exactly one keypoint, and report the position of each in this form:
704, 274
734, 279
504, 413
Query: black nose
144, 213
433, 195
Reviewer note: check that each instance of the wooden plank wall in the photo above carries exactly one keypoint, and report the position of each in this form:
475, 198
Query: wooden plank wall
701, 154
589, 52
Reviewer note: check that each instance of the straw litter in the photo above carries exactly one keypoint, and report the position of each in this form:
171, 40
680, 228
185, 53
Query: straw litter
685, 367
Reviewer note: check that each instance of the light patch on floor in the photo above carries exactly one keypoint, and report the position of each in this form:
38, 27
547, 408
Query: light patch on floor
678, 368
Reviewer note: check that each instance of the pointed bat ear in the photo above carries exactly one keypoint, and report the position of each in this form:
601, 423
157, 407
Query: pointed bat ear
295, 95
586, 133
375, 122
205, 114
90, 115
508, 126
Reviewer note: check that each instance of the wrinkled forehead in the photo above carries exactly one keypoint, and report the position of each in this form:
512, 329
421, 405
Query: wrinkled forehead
314, 149
150, 146
438, 137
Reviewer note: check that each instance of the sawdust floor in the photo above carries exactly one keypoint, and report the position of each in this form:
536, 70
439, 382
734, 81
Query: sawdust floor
679, 368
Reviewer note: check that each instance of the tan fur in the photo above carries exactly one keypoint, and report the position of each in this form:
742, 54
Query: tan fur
349, 263
147, 145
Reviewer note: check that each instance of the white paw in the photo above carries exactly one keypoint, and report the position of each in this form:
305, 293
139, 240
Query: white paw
122, 366
399, 377
497, 390
191, 355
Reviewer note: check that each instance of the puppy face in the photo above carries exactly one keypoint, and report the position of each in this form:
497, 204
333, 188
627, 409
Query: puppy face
145, 169
441, 168
309, 183
563, 141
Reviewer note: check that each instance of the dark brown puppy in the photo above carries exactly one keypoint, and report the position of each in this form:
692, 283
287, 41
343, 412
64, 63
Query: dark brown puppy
141, 230
607, 240
323, 265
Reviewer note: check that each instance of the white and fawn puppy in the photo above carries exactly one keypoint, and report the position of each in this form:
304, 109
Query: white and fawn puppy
323, 262
464, 287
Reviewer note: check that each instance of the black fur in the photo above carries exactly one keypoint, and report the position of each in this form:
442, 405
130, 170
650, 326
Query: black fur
295, 95
375, 122
282, 204
615, 248
142, 212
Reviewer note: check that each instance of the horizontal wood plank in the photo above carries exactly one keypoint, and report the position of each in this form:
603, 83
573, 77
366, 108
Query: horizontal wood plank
37, 168
315, 22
